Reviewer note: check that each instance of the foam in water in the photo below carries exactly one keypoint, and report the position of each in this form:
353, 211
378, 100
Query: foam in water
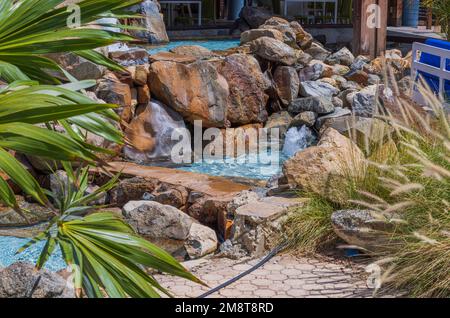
298, 138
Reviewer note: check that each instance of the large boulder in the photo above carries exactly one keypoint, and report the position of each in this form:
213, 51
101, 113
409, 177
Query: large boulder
287, 83
22, 280
153, 23
254, 34
324, 169
274, 50
247, 86
32, 213
197, 91
170, 229
363, 228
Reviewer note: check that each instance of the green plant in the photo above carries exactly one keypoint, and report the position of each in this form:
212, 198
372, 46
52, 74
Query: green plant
407, 184
417, 257
104, 253
106, 256
308, 228
441, 8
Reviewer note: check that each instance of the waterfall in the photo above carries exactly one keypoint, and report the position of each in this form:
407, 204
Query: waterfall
298, 138
151, 133
164, 121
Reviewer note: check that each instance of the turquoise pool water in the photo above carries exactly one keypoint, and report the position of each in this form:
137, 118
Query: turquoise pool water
248, 166
9, 245
213, 45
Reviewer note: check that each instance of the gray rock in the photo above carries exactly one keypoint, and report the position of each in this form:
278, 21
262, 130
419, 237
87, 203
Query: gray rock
254, 34
282, 25
319, 105
254, 16
170, 228
317, 89
33, 212
363, 228
21, 280
338, 112
154, 220
364, 102
274, 50
244, 197
281, 120
343, 56
373, 79
318, 52
359, 62
77, 66
154, 28
337, 102
201, 241
307, 118
60, 185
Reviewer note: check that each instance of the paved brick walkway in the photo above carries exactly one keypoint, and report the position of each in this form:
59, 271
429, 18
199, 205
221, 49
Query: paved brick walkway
282, 276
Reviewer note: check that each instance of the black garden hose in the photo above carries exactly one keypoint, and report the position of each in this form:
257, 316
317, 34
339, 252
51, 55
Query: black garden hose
267, 258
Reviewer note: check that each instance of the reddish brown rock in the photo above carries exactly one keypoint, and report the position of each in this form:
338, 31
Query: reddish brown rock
141, 74
247, 100
287, 83
143, 94
197, 91
171, 57
116, 93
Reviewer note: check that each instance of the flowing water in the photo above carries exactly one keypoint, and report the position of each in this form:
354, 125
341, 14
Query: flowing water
255, 166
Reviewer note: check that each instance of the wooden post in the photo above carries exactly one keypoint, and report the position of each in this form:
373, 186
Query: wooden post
429, 18
370, 27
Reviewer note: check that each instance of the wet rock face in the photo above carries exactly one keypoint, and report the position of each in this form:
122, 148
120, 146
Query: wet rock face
274, 50
21, 280
362, 228
197, 91
37, 214
150, 133
247, 85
